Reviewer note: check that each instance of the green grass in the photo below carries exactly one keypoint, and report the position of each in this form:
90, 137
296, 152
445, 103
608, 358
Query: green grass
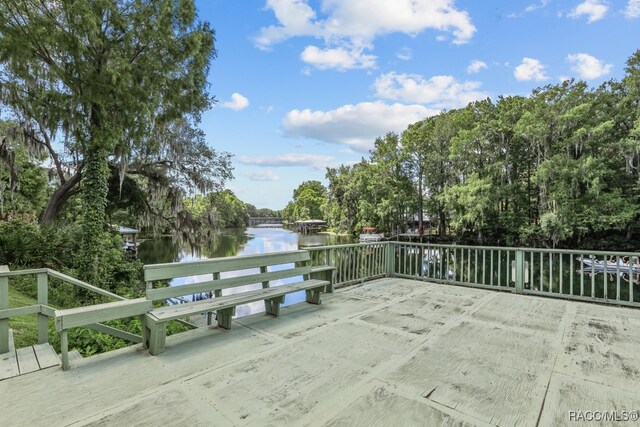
25, 329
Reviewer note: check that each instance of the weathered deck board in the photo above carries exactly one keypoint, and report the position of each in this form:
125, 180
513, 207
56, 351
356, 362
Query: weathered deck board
9, 361
27, 361
46, 356
388, 352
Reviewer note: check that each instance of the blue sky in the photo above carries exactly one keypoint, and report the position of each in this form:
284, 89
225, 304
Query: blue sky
302, 85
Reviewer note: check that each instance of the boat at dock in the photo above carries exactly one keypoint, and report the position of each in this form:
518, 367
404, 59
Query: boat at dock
369, 235
609, 266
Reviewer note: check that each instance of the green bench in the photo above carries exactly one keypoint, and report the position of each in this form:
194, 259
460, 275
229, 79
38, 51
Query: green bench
224, 303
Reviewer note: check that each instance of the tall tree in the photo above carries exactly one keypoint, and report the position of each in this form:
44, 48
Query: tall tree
100, 74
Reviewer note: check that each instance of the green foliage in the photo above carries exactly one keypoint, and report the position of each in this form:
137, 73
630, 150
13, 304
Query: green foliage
108, 80
203, 216
25, 329
308, 202
26, 245
556, 168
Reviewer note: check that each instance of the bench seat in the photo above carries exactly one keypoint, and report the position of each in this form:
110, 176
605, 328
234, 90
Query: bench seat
178, 311
155, 322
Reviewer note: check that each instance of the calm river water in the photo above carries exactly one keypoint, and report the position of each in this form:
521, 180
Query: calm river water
231, 242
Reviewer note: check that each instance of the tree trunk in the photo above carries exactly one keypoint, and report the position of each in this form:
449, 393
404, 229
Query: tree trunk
94, 194
442, 222
59, 198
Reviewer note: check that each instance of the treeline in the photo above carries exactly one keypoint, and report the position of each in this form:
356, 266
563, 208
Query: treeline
559, 167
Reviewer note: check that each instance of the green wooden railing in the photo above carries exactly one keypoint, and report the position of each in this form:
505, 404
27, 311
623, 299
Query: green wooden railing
568, 274
354, 263
42, 309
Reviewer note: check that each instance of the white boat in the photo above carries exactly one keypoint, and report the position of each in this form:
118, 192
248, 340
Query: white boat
610, 267
369, 235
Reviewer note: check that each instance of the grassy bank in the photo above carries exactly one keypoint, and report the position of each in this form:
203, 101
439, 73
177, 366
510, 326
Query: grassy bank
25, 330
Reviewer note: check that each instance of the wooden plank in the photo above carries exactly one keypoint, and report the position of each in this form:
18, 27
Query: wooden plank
218, 265
43, 299
9, 361
27, 361
7, 273
46, 356
214, 285
47, 311
4, 304
83, 316
19, 311
220, 303
320, 268
84, 285
127, 336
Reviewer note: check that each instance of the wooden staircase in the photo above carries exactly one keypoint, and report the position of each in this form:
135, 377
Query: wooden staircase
28, 359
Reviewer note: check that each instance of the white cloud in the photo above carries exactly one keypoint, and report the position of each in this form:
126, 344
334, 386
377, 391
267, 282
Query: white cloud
405, 54
633, 9
438, 91
317, 161
530, 69
356, 126
595, 10
237, 103
266, 175
349, 27
338, 58
588, 67
536, 6
475, 66
530, 8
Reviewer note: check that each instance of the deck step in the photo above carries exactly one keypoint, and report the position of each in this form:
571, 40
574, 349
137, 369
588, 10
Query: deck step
74, 355
27, 359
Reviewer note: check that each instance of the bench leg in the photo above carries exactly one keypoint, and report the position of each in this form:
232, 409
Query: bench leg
332, 280
272, 306
157, 337
209, 318
224, 317
145, 331
313, 295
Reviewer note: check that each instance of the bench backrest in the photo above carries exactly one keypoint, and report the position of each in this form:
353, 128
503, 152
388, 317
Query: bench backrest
216, 266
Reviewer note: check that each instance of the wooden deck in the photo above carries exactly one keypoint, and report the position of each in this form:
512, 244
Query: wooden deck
388, 352
26, 360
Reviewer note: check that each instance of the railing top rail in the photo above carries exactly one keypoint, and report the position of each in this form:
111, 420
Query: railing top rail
348, 245
23, 272
80, 283
514, 248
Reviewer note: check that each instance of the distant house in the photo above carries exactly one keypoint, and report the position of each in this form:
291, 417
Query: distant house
129, 237
311, 226
413, 224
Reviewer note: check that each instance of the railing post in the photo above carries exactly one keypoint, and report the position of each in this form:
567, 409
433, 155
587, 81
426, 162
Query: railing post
4, 303
390, 258
43, 299
519, 278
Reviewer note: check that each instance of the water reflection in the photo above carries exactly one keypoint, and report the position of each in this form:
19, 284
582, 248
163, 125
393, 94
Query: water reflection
232, 242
